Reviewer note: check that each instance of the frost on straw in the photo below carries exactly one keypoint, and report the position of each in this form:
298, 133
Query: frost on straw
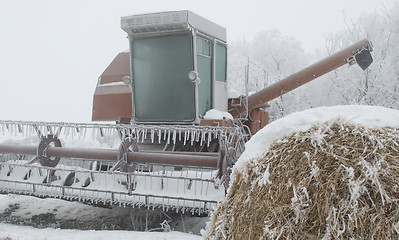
334, 181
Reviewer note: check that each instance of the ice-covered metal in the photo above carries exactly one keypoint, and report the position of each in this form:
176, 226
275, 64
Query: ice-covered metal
167, 22
326, 65
195, 190
183, 181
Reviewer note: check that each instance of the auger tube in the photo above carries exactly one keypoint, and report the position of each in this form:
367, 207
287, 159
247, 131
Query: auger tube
173, 158
304, 76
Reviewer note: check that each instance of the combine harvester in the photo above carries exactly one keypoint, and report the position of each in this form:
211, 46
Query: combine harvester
169, 156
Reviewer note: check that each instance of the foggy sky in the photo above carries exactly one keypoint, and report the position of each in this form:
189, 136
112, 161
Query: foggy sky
52, 52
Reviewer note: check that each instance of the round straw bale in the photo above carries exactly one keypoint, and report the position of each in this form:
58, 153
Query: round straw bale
337, 180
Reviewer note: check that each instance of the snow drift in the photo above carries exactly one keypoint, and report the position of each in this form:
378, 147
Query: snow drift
325, 173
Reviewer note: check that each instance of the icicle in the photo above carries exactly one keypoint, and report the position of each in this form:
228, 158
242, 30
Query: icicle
197, 136
159, 136
33, 130
185, 137
49, 130
71, 132
28, 130
133, 131
131, 134
65, 131
139, 134
10, 127
152, 135
105, 131
84, 133
168, 140
192, 137
96, 136
174, 136
74, 132
142, 135
92, 133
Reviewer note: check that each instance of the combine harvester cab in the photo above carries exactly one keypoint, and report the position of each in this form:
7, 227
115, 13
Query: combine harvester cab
161, 153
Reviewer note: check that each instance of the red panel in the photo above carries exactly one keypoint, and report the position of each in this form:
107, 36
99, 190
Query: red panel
117, 69
113, 99
110, 103
260, 118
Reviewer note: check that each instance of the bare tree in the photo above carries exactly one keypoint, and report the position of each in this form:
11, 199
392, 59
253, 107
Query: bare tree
273, 55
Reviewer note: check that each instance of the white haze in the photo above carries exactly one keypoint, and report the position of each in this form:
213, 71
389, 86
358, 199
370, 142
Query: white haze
52, 52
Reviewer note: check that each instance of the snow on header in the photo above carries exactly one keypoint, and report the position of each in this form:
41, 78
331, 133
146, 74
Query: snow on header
368, 116
216, 114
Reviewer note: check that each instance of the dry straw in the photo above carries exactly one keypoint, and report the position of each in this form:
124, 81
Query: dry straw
335, 181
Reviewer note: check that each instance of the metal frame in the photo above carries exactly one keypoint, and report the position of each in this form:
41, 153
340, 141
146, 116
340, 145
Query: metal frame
211, 53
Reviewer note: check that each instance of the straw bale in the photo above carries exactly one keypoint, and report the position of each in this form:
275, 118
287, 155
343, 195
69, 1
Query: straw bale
335, 181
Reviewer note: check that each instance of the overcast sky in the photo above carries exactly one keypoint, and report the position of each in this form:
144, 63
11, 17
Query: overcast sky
52, 52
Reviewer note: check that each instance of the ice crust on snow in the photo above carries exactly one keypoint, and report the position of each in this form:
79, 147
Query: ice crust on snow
216, 114
368, 116
29, 233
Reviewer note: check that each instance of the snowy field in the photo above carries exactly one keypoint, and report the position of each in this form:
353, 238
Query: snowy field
8, 232
48, 215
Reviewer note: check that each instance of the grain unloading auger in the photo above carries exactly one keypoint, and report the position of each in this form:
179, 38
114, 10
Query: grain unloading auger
161, 152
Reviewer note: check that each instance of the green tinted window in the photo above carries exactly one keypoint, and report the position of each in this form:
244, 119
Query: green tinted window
204, 67
203, 47
162, 90
220, 62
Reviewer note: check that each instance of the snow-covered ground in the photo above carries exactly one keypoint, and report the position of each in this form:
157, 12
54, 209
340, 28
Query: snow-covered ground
48, 216
8, 232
